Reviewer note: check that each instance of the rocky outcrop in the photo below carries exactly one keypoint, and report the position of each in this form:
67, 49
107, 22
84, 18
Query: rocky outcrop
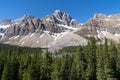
101, 22
57, 21
24, 28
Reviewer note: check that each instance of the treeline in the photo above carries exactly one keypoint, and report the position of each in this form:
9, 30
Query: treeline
91, 62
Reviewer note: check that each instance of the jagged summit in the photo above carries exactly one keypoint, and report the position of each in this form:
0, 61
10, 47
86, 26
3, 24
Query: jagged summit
60, 20
58, 14
56, 11
24, 19
27, 16
62, 15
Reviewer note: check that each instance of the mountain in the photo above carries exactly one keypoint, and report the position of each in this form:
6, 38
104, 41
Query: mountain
52, 31
61, 18
4, 24
59, 21
25, 25
15, 27
58, 30
102, 26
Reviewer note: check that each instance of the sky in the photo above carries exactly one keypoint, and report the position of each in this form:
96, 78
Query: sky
81, 10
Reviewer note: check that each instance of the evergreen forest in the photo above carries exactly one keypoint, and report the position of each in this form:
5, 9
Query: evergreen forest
91, 62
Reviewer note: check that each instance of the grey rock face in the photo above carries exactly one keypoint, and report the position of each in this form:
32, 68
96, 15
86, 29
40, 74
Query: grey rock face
101, 22
56, 21
62, 17
25, 27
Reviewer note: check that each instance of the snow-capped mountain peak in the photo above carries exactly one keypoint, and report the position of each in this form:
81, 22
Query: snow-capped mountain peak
62, 16
60, 20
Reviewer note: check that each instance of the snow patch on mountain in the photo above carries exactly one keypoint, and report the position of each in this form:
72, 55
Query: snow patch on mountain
2, 34
104, 34
16, 37
68, 39
58, 36
4, 26
109, 16
68, 27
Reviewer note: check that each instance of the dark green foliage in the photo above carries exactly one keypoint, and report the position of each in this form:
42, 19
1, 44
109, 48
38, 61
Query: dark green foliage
46, 68
55, 75
66, 68
1, 65
91, 62
112, 55
100, 64
118, 61
79, 65
10, 71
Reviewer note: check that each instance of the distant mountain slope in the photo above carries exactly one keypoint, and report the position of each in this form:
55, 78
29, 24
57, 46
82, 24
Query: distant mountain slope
100, 25
49, 31
58, 30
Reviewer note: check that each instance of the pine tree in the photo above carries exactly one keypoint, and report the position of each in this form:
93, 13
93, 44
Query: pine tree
10, 70
105, 58
46, 68
100, 64
55, 75
78, 65
91, 60
118, 61
1, 63
111, 72
33, 71
25, 75
67, 67
5, 73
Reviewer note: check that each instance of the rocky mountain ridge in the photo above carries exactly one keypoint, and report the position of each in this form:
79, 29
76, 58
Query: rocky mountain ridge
57, 22
102, 26
58, 30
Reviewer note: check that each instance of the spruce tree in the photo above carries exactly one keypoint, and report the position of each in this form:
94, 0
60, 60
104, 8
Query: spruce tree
2, 62
10, 71
118, 61
111, 67
100, 64
46, 68
67, 67
105, 57
78, 65
91, 60
55, 75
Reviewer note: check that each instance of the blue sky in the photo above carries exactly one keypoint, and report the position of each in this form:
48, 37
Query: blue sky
82, 10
